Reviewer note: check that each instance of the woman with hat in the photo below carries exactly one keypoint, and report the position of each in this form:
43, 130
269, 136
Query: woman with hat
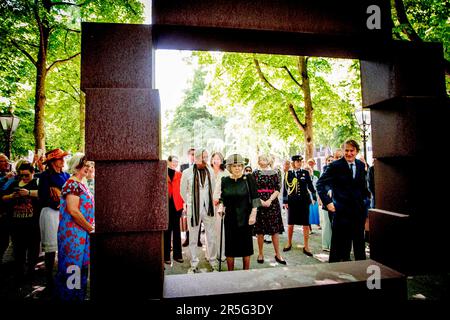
49, 191
240, 200
297, 182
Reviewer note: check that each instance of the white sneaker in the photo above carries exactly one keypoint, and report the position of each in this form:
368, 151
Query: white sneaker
215, 268
192, 270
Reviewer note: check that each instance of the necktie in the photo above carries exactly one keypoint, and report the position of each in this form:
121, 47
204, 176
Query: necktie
353, 171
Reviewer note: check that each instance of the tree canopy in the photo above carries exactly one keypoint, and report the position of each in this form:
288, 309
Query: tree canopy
40, 65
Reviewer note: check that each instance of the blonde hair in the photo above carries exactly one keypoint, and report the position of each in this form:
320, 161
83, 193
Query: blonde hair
264, 157
76, 162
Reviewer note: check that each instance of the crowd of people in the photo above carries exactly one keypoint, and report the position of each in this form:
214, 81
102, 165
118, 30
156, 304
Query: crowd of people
45, 209
233, 203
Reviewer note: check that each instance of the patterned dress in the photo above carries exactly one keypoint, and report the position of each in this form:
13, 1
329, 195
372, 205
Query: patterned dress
268, 220
74, 244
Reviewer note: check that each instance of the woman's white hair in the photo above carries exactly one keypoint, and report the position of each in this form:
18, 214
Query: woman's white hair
75, 162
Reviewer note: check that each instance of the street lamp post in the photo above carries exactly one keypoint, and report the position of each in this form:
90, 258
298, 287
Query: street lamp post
363, 119
9, 123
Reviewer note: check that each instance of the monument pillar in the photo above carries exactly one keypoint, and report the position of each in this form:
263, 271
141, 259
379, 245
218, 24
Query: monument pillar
123, 138
409, 110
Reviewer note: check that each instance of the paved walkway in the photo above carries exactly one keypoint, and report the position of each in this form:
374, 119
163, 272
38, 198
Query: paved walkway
293, 257
432, 287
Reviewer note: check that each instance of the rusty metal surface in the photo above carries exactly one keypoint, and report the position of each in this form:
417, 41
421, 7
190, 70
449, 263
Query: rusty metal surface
304, 16
122, 124
116, 56
131, 196
127, 266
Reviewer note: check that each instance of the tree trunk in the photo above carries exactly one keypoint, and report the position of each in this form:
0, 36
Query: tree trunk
82, 121
40, 97
306, 88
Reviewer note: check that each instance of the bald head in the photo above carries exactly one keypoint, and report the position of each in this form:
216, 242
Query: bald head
4, 165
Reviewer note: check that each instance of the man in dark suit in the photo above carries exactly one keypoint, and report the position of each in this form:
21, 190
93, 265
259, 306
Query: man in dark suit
184, 166
346, 178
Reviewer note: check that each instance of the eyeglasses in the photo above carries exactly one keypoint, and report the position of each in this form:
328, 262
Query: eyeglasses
248, 170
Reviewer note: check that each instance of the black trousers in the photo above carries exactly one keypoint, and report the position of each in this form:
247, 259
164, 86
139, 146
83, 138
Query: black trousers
173, 229
26, 239
346, 232
4, 235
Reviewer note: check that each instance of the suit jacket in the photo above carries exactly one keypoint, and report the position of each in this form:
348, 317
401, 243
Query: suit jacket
349, 194
186, 186
184, 166
174, 186
304, 183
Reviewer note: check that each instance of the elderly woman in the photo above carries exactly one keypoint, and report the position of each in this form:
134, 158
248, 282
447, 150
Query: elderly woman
76, 223
239, 201
21, 197
49, 191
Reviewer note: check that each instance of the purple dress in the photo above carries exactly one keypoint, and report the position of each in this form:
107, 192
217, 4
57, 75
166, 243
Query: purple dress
73, 244
268, 220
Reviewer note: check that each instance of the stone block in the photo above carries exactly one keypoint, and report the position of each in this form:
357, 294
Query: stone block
389, 239
116, 56
303, 16
402, 126
405, 242
122, 124
131, 196
329, 281
399, 185
395, 71
127, 267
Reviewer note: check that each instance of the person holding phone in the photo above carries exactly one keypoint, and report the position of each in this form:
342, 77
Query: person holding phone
23, 205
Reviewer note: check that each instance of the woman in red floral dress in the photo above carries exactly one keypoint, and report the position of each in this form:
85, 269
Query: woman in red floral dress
75, 225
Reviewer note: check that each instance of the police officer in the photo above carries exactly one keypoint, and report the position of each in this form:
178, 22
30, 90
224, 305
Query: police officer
297, 182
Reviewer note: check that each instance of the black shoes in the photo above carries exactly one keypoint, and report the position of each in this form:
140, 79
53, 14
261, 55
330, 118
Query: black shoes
260, 260
287, 248
309, 254
280, 261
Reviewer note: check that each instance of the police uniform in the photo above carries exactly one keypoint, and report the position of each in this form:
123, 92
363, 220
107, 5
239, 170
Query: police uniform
296, 195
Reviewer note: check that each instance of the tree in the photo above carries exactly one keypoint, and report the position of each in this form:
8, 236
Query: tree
47, 34
291, 94
193, 125
423, 20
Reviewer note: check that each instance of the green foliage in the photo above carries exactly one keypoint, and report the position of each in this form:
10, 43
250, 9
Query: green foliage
19, 34
335, 97
430, 19
193, 125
